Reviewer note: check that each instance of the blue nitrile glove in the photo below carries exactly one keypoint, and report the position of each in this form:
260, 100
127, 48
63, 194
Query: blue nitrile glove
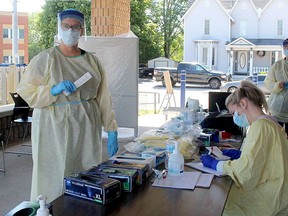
65, 85
209, 161
112, 143
286, 85
232, 153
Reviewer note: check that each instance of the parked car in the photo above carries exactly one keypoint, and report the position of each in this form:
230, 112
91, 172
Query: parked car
146, 72
232, 86
195, 74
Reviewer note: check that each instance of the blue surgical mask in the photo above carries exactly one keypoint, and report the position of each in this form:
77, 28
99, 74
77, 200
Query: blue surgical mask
70, 37
285, 52
240, 120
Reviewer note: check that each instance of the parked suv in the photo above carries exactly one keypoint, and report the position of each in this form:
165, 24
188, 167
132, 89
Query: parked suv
195, 74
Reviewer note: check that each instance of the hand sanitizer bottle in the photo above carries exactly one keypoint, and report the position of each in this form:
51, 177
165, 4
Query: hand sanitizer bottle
42, 211
176, 162
170, 146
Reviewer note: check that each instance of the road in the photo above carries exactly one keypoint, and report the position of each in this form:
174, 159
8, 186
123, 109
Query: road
148, 85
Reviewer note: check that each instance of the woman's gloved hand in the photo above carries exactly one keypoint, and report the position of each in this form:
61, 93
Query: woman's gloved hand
65, 85
112, 143
232, 153
209, 161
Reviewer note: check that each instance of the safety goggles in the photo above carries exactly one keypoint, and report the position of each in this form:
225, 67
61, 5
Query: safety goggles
66, 27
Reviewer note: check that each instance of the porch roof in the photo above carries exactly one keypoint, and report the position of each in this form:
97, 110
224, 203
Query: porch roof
261, 42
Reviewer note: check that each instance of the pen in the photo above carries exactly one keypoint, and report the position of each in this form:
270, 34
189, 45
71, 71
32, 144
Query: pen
210, 151
218, 107
165, 174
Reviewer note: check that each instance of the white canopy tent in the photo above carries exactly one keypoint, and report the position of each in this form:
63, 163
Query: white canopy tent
119, 57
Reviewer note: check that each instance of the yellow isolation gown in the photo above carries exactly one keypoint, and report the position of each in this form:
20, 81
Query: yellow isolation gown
66, 130
278, 100
260, 175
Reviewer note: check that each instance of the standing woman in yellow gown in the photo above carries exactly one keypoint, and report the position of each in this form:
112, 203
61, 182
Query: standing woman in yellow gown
66, 128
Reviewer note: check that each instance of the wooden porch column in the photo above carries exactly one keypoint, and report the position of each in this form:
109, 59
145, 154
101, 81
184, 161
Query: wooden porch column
251, 62
231, 59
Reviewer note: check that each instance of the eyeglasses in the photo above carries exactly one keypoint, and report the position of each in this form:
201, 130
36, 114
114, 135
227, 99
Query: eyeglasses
285, 47
66, 27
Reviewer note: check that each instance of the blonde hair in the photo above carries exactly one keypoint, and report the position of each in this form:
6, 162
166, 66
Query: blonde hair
250, 91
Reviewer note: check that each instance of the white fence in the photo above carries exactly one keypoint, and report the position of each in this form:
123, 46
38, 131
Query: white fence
148, 100
10, 76
260, 69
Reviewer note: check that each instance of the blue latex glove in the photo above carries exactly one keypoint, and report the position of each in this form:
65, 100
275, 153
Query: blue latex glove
65, 85
112, 143
286, 85
232, 153
209, 161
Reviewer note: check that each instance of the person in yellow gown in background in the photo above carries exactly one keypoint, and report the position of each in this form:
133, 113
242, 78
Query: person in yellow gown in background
260, 170
276, 82
66, 128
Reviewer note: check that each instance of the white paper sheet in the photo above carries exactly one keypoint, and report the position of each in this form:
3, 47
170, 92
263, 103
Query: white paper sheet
205, 180
214, 150
79, 82
187, 180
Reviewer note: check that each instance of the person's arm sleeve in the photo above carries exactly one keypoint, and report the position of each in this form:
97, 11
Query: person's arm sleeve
270, 81
104, 101
219, 166
246, 171
34, 86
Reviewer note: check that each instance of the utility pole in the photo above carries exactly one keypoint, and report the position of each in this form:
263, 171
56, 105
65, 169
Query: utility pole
15, 33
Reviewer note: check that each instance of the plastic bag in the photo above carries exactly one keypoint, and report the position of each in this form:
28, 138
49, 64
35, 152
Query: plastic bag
188, 146
176, 126
192, 104
153, 134
135, 147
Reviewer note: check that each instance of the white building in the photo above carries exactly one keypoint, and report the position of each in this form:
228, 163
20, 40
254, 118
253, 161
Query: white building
237, 36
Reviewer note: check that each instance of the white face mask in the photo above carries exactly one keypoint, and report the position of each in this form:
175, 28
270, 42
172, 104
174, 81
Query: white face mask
70, 37
286, 52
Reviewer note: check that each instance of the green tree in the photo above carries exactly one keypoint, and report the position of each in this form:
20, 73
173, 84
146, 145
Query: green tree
167, 14
177, 47
145, 30
48, 18
156, 23
34, 36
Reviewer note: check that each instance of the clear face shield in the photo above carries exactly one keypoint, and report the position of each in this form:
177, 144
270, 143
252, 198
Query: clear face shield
70, 34
285, 47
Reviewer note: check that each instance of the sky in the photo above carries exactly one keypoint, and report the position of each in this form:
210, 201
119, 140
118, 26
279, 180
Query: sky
22, 5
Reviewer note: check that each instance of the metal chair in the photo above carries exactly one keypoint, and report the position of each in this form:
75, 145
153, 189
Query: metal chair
3, 153
19, 116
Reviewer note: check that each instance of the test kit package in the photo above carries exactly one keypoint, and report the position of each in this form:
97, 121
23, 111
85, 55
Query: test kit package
97, 189
127, 177
158, 154
142, 169
135, 159
206, 138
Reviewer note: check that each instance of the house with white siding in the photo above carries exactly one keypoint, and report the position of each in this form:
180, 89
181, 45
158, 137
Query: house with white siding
236, 36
